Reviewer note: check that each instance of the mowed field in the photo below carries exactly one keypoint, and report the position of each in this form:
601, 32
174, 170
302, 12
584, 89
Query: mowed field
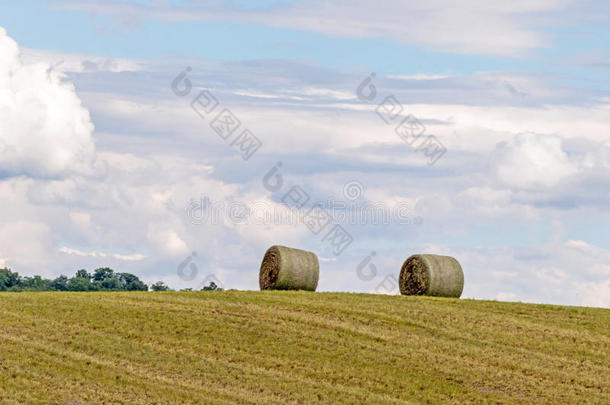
297, 347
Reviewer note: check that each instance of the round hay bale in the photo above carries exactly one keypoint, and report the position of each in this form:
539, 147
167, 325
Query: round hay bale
285, 268
435, 275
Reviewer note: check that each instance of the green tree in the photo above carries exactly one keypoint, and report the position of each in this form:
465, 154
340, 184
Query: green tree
82, 273
104, 279
102, 274
80, 284
159, 286
9, 279
35, 283
130, 282
59, 284
211, 287
110, 283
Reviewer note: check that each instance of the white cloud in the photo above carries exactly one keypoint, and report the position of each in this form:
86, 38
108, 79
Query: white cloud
80, 220
532, 160
470, 26
166, 241
74, 62
545, 273
596, 294
44, 129
25, 243
132, 257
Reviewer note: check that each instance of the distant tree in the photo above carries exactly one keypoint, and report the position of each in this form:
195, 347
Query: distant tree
82, 273
4, 275
130, 282
102, 274
110, 283
211, 287
59, 284
80, 284
159, 286
9, 279
103, 279
35, 283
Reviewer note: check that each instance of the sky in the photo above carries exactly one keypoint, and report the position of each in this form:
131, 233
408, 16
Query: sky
178, 140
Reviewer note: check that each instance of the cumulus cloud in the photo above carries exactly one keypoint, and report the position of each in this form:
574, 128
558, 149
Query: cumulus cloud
540, 170
166, 241
533, 160
44, 129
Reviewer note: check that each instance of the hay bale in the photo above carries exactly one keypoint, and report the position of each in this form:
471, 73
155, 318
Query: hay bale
440, 276
285, 268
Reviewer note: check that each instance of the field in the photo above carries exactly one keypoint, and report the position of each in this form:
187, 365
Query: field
297, 347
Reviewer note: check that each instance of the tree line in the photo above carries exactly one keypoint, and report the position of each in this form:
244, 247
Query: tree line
102, 279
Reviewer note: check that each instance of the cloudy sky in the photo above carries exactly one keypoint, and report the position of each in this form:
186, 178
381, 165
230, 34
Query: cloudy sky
473, 129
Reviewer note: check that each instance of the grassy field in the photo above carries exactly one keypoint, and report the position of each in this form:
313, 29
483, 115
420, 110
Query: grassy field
297, 347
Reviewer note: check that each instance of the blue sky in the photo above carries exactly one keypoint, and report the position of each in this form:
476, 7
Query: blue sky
573, 45
518, 94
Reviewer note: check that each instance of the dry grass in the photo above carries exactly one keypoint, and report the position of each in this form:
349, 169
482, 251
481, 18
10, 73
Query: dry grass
297, 347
